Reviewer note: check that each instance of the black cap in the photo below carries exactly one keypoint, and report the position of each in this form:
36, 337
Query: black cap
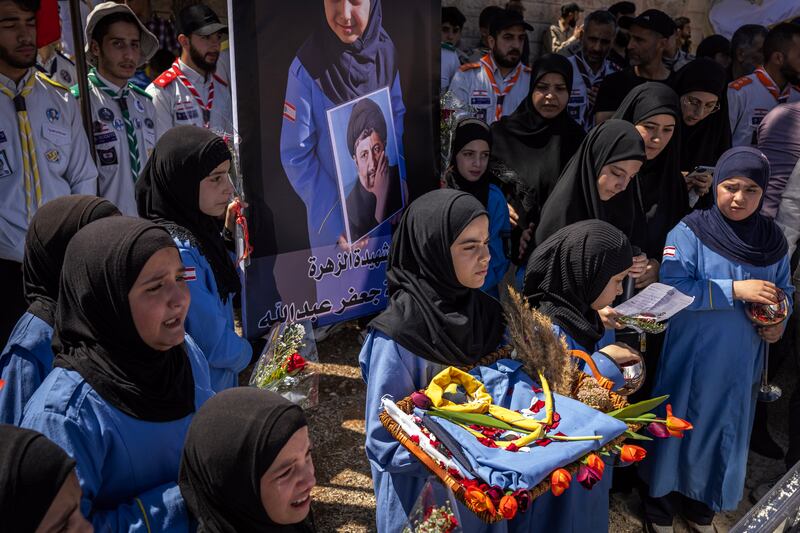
199, 19
572, 7
506, 19
654, 20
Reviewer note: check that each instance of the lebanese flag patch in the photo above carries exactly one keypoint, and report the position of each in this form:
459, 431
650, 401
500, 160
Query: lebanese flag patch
289, 111
669, 251
190, 274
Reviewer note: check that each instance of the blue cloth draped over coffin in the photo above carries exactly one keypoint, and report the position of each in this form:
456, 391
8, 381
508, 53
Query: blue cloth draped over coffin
510, 387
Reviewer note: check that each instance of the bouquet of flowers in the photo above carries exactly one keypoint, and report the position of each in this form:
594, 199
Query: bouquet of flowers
434, 512
283, 366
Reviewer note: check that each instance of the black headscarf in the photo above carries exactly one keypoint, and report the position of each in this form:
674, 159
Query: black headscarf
713, 45
756, 240
468, 130
232, 440
347, 71
49, 232
575, 196
658, 194
430, 313
569, 271
704, 143
168, 193
32, 471
536, 148
94, 331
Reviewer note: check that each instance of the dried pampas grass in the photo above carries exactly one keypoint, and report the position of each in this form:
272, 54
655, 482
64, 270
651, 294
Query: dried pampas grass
532, 338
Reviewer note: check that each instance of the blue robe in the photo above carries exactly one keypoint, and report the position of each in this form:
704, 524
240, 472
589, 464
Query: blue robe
499, 229
24, 363
210, 322
711, 367
559, 512
127, 468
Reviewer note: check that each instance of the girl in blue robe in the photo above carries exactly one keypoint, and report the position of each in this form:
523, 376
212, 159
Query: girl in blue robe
570, 277
713, 355
185, 187
127, 379
27, 357
436, 317
472, 146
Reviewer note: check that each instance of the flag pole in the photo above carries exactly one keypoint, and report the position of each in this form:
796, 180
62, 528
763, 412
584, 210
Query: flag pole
80, 66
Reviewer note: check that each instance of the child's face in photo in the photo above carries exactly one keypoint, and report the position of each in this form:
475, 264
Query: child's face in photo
738, 198
347, 18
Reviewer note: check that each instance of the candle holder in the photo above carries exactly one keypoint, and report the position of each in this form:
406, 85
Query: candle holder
764, 315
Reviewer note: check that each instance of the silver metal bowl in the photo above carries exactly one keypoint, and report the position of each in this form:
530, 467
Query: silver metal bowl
634, 374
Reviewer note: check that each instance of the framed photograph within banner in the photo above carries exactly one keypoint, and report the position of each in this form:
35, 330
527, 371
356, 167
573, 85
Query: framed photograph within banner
369, 174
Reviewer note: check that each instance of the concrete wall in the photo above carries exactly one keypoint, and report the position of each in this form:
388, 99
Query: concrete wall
541, 13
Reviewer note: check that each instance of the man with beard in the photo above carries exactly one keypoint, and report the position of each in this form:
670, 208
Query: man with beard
44, 153
649, 34
497, 84
123, 115
747, 50
590, 66
566, 31
190, 92
376, 194
751, 97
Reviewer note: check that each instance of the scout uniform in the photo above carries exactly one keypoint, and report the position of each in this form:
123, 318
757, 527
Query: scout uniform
59, 68
482, 86
450, 65
750, 98
183, 96
124, 129
123, 118
583, 80
44, 154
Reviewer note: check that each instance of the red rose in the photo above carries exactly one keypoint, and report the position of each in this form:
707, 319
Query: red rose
295, 363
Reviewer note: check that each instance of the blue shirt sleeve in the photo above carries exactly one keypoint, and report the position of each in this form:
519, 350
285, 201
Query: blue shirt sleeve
210, 323
158, 509
24, 363
22, 374
385, 371
604, 363
298, 145
680, 269
499, 228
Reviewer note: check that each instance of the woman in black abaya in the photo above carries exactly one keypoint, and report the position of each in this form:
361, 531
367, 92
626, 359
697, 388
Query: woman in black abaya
535, 142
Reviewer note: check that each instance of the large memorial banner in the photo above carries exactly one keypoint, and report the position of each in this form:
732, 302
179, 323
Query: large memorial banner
338, 119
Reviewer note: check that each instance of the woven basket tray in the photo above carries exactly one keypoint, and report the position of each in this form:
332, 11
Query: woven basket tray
407, 406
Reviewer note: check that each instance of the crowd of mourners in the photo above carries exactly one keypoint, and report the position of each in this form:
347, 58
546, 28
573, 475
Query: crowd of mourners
611, 154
